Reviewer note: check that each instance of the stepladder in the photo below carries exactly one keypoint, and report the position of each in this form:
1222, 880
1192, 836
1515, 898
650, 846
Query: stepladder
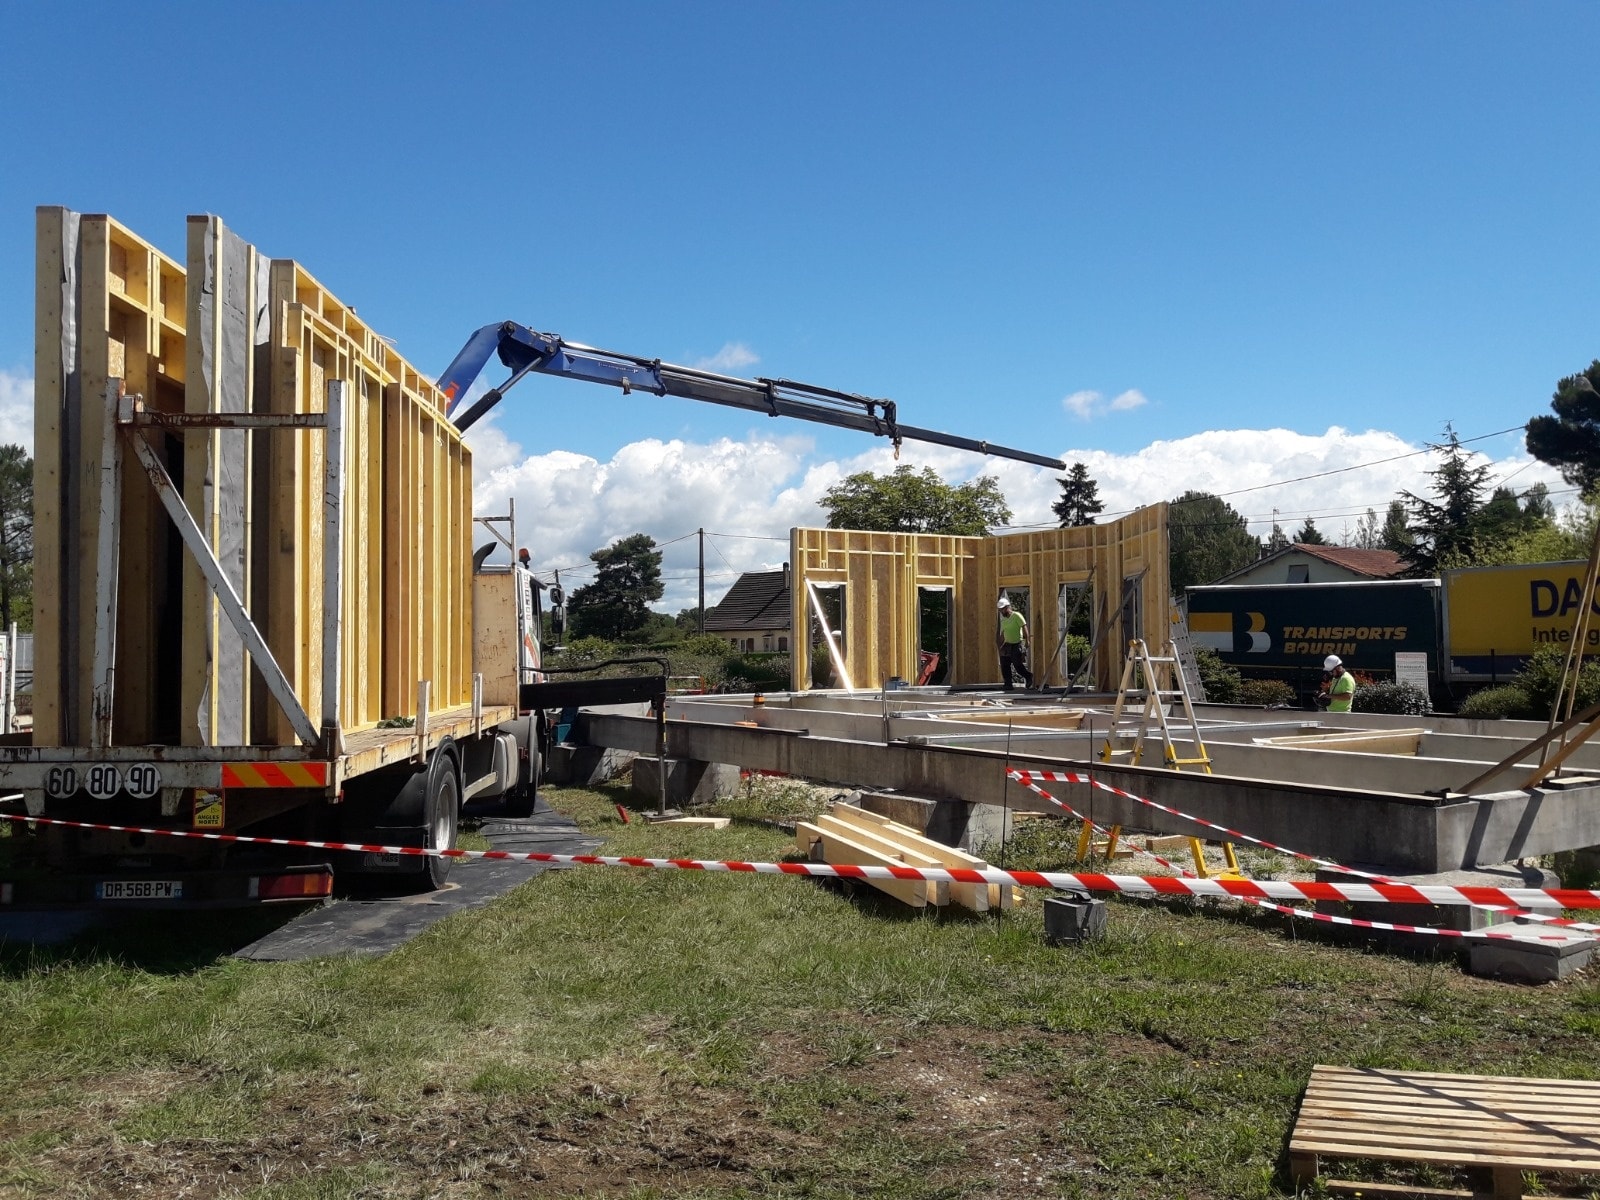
1151, 697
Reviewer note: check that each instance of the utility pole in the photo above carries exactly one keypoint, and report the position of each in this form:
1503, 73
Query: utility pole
700, 620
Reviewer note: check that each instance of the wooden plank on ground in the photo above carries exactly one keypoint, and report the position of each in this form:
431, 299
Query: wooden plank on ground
1001, 895
968, 895
841, 850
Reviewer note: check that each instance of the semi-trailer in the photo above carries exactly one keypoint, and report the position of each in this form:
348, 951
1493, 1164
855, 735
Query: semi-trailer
1474, 625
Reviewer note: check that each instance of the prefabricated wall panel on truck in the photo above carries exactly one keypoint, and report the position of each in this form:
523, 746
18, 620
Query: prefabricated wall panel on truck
229, 330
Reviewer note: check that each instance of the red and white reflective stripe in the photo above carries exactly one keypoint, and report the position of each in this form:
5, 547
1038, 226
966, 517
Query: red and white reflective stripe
264, 774
1026, 778
1132, 885
1304, 914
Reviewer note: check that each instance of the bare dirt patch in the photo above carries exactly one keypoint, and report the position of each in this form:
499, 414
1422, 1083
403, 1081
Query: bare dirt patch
933, 1093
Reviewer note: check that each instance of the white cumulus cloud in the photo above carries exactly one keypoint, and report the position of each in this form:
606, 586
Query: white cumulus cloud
1086, 405
733, 357
748, 494
16, 409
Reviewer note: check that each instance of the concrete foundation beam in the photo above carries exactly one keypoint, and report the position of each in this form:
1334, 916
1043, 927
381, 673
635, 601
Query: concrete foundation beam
586, 766
689, 781
1394, 830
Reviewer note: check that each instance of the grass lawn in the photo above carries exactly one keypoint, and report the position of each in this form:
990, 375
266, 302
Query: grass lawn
627, 1033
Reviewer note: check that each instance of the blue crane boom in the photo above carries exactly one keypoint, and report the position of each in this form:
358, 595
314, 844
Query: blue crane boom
523, 350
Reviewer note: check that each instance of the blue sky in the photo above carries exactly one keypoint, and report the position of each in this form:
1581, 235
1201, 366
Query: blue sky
1192, 245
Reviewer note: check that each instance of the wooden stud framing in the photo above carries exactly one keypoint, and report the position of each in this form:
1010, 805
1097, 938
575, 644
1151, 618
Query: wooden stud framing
267, 339
883, 572
109, 306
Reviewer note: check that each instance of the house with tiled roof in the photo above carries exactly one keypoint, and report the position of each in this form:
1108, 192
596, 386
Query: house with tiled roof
1303, 562
754, 615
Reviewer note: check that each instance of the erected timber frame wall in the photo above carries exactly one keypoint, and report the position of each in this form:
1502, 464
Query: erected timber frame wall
230, 331
1123, 564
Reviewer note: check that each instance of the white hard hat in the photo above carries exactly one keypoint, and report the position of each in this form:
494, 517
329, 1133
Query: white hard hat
1331, 662
1004, 603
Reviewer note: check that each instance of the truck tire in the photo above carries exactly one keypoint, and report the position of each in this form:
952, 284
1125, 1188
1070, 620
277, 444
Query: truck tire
441, 811
521, 800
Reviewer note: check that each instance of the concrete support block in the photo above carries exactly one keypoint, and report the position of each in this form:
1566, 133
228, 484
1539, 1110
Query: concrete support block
689, 781
1073, 918
1440, 916
586, 766
970, 827
1532, 954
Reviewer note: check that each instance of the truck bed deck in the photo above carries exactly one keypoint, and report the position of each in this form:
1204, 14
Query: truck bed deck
374, 748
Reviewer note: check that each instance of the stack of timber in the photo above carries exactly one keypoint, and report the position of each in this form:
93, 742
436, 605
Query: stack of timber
847, 835
230, 330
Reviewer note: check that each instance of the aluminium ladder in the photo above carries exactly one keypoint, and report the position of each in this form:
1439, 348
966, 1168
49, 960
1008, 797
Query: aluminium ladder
1161, 680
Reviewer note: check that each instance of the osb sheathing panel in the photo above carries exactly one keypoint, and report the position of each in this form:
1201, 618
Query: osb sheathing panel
109, 305
883, 572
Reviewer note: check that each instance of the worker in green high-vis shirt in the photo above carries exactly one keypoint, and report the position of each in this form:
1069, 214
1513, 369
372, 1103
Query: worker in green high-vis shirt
1341, 686
1013, 639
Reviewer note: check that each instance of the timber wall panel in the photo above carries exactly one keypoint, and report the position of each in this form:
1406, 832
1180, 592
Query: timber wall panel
883, 572
109, 305
268, 337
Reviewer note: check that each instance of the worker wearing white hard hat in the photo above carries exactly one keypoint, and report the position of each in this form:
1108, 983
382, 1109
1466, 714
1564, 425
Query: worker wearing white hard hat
1339, 687
1012, 639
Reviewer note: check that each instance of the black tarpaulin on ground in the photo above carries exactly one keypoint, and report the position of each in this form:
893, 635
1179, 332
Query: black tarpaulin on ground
367, 924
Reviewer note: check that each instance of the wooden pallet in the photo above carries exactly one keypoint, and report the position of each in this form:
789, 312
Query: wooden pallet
1500, 1125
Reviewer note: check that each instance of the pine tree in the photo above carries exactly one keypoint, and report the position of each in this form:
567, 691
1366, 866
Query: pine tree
1277, 539
1448, 533
1396, 532
1079, 501
1310, 535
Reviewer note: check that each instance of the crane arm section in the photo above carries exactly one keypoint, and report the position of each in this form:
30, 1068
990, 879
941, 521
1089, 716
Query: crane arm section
523, 350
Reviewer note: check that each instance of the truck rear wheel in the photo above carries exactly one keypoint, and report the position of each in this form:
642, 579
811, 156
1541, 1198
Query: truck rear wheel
442, 817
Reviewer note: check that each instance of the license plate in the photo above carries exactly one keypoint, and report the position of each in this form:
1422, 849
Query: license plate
380, 861
139, 889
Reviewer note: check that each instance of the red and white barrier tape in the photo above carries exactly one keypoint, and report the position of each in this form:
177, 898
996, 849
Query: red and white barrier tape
1304, 914
1026, 778
1131, 885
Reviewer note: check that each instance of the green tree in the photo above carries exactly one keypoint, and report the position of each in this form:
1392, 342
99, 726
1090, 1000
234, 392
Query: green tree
1368, 534
1448, 533
1396, 532
1277, 540
1570, 440
617, 603
16, 537
1208, 538
1536, 504
1546, 540
908, 501
1079, 502
1310, 535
